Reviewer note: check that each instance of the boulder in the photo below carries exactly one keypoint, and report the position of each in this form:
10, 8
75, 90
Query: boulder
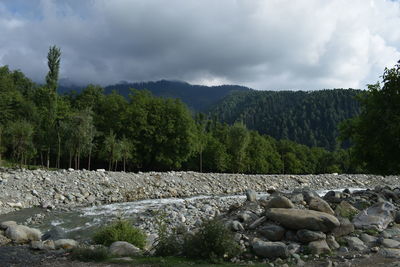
346, 210
297, 219
306, 236
236, 226
251, 195
4, 225
318, 204
355, 243
122, 248
65, 243
390, 253
257, 222
22, 234
270, 250
272, 232
345, 228
331, 241
319, 247
390, 243
279, 202
376, 217
368, 239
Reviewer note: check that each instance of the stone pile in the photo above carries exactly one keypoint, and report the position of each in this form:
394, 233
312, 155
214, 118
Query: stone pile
70, 188
294, 225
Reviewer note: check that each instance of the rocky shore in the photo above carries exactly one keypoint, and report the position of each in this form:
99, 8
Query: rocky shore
70, 188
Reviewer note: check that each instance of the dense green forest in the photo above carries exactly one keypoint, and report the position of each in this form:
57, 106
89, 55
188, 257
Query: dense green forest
142, 132
309, 118
198, 98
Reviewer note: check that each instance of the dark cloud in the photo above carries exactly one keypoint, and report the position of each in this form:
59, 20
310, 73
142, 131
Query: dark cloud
278, 44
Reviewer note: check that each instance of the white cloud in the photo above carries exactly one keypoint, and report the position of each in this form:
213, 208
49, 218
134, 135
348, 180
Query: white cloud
275, 44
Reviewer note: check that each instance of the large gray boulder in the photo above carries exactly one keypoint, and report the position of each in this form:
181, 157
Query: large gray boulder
4, 225
318, 204
279, 202
251, 195
306, 236
319, 247
272, 232
355, 243
376, 217
303, 219
270, 250
122, 248
22, 234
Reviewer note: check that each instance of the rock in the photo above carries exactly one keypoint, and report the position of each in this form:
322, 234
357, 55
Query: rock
251, 195
65, 243
318, 204
397, 217
376, 217
37, 245
4, 225
270, 250
306, 236
331, 241
279, 202
22, 234
319, 247
247, 216
346, 210
15, 205
122, 248
355, 243
345, 228
272, 232
368, 239
390, 243
4, 240
390, 253
54, 233
236, 226
303, 219
257, 222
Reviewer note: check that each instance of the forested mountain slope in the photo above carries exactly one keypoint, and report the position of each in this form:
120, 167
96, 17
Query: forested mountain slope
309, 118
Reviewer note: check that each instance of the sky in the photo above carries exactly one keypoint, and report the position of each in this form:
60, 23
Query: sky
262, 44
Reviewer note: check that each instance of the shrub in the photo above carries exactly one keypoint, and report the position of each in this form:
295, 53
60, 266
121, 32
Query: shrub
88, 254
120, 230
169, 244
212, 241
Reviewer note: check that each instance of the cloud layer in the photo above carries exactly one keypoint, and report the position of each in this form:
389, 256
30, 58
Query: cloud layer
274, 44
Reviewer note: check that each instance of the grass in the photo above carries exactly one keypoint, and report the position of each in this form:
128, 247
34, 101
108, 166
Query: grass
120, 230
88, 254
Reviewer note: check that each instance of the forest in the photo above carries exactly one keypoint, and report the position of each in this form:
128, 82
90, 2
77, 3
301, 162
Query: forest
143, 132
306, 117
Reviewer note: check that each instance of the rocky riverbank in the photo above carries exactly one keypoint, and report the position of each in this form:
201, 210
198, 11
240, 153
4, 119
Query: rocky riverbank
70, 188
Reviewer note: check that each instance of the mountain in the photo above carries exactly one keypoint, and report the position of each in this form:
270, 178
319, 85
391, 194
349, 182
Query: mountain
309, 118
197, 97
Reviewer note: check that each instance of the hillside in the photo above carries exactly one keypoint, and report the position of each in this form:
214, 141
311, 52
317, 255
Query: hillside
309, 118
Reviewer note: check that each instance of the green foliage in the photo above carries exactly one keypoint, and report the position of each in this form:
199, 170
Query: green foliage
53, 62
120, 230
90, 254
169, 243
212, 241
375, 132
309, 118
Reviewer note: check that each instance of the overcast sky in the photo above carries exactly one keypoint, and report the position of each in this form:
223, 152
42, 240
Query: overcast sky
263, 44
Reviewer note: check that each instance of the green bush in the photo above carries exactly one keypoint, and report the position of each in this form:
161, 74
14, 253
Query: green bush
169, 244
213, 241
88, 254
120, 230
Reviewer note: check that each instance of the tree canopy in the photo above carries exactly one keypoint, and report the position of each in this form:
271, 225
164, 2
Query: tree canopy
375, 133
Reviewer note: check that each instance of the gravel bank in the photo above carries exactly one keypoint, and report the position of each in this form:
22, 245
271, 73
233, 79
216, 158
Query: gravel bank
69, 188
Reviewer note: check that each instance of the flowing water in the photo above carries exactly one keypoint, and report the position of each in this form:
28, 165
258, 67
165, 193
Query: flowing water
80, 223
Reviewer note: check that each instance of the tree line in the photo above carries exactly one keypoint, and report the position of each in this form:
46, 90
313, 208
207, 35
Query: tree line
309, 118
142, 132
